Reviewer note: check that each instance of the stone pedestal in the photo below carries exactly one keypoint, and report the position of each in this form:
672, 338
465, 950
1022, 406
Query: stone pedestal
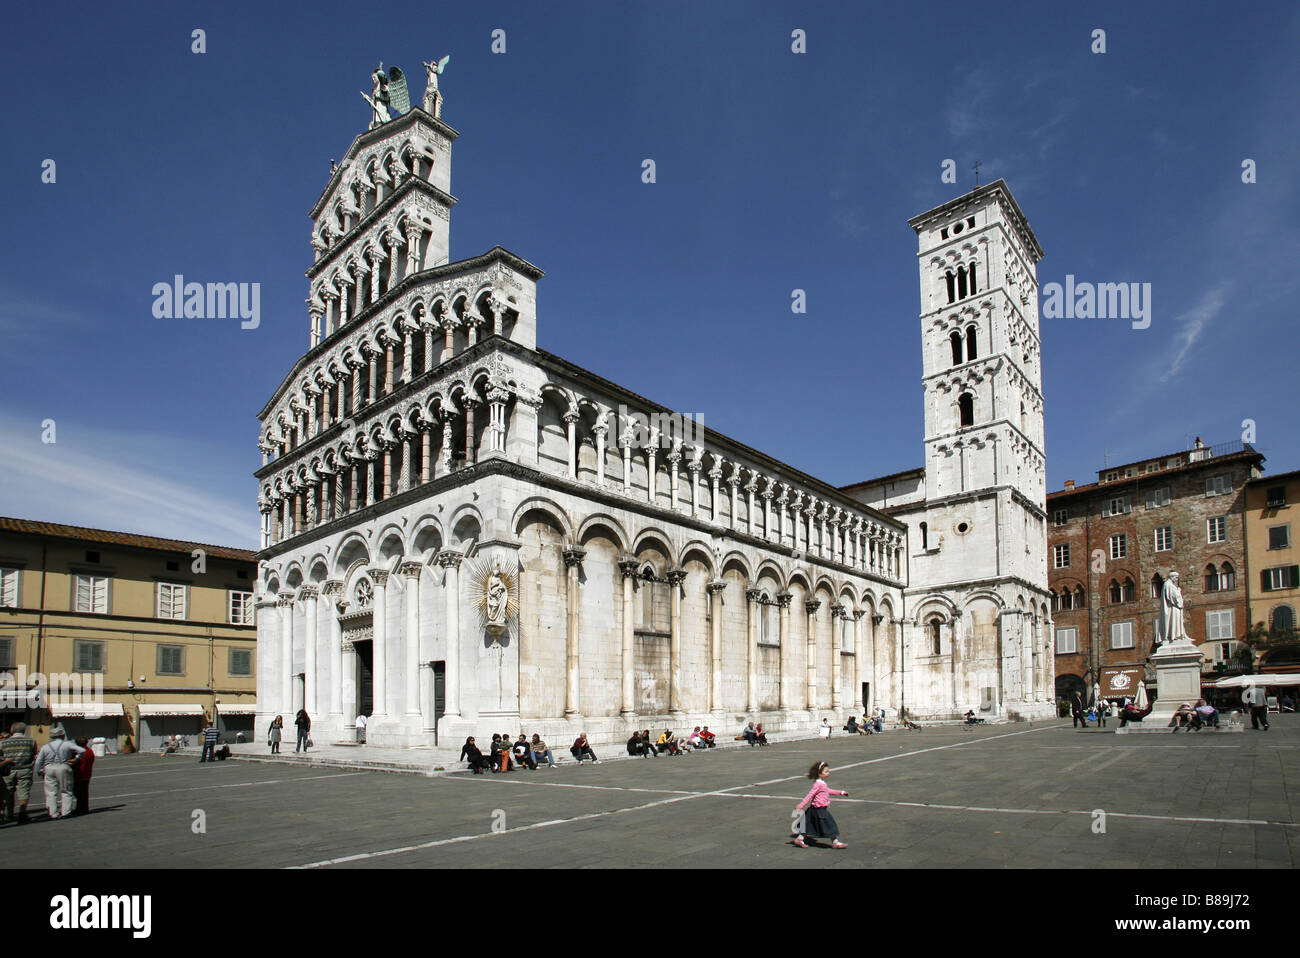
1178, 679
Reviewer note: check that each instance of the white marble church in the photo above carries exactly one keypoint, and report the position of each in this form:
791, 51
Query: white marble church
464, 534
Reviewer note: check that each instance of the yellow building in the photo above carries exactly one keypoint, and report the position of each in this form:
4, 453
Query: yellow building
1272, 506
124, 636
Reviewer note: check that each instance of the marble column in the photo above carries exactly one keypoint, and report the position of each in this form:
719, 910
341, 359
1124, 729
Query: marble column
837, 634
286, 653
783, 661
715, 590
309, 595
859, 705
379, 684
411, 572
751, 650
332, 590
572, 690
571, 425
675, 579
627, 566
601, 428
450, 562
811, 607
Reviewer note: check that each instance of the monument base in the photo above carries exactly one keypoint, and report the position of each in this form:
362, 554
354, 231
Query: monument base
1178, 679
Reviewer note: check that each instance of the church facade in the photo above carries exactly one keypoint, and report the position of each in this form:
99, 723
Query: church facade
464, 534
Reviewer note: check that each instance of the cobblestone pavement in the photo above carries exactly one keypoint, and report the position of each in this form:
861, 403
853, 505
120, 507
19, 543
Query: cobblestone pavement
1016, 796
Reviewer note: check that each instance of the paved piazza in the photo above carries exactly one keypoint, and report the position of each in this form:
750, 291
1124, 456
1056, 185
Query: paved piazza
1010, 796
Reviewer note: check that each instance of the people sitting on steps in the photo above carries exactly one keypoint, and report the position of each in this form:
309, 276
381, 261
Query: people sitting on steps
1129, 712
1182, 717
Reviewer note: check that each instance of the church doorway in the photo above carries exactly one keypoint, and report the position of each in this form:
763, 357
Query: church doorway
365, 677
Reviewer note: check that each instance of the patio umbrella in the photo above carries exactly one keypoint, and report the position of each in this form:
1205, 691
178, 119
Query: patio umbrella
1096, 693
1142, 695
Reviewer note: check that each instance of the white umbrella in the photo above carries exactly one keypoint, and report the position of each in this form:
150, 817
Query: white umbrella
1096, 693
1142, 695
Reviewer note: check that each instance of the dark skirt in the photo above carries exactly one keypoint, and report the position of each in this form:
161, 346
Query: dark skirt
818, 823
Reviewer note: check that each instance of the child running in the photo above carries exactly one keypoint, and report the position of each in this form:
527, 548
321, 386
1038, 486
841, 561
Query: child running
818, 823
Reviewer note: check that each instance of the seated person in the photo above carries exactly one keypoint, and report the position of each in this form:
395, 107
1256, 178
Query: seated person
470, 753
634, 747
852, 724
708, 738
668, 744
760, 736
695, 741
222, 753
1131, 713
1182, 717
581, 749
1204, 714
500, 754
749, 735
524, 752
540, 751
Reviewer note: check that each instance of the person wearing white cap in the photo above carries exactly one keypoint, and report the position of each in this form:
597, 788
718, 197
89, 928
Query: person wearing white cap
53, 762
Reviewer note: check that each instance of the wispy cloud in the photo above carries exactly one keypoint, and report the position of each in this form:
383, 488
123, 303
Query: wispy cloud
22, 317
1191, 324
131, 482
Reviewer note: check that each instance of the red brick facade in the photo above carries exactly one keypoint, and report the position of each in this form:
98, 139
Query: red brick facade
1168, 510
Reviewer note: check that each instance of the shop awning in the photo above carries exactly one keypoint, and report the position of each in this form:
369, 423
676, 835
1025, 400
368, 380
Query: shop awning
151, 709
85, 710
237, 708
1263, 678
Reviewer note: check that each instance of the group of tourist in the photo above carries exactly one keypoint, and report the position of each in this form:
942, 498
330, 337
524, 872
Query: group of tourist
302, 721
64, 767
641, 744
505, 756
1194, 717
868, 726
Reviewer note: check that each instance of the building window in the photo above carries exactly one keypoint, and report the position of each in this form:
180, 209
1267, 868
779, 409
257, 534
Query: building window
241, 662
1119, 546
1227, 577
1121, 635
954, 340
88, 656
171, 660
1279, 537
6, 653
1216, 485
966, 409
936, 627
1157, 586
1080, 598
1157, 497
925, 536
1111, 476
1056, 601
1067, 641
1061, 556
1115, 592
1282, 619
1130, 590
1152, 467
1216, 529
1164, 536
241, 608
171, 600
1276, 497
1117, 506
92, 594
1060, 517
1218, 624
1211, 579
9, 588
1282, 577
971, 350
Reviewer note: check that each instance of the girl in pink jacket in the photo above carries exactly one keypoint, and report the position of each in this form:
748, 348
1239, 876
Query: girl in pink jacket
817, 821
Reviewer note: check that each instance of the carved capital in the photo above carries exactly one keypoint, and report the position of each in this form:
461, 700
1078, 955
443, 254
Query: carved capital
784, 599
812, 605
573, 557
676, 576
837, 611
715, 586
378, 576
286, 600
627, 566
411, 569
753, 595
308, 592
449, 559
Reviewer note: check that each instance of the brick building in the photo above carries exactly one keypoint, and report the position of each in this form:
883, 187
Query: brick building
1112, 544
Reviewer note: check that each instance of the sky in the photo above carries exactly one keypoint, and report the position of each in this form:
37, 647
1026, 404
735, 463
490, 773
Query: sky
775, 170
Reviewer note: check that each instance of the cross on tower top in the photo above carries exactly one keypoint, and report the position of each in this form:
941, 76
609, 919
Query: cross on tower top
976, 168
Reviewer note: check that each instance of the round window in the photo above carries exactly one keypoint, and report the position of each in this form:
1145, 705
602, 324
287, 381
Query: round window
963, 528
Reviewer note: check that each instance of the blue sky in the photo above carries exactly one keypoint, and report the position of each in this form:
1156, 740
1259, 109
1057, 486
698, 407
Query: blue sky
775, 171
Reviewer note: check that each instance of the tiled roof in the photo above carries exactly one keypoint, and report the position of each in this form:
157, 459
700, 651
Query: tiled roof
57, 530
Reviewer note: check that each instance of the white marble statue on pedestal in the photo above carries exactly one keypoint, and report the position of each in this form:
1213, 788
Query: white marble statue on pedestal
1170, 628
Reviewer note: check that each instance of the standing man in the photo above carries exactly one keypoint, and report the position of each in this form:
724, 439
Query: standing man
1256, 698
361, 730
210, 743
303, 721
54, 763
20, 749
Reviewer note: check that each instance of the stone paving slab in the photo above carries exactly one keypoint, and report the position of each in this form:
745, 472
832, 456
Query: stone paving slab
1010, 796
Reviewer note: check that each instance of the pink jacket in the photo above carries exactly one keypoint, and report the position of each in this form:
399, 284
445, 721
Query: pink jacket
820, 795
